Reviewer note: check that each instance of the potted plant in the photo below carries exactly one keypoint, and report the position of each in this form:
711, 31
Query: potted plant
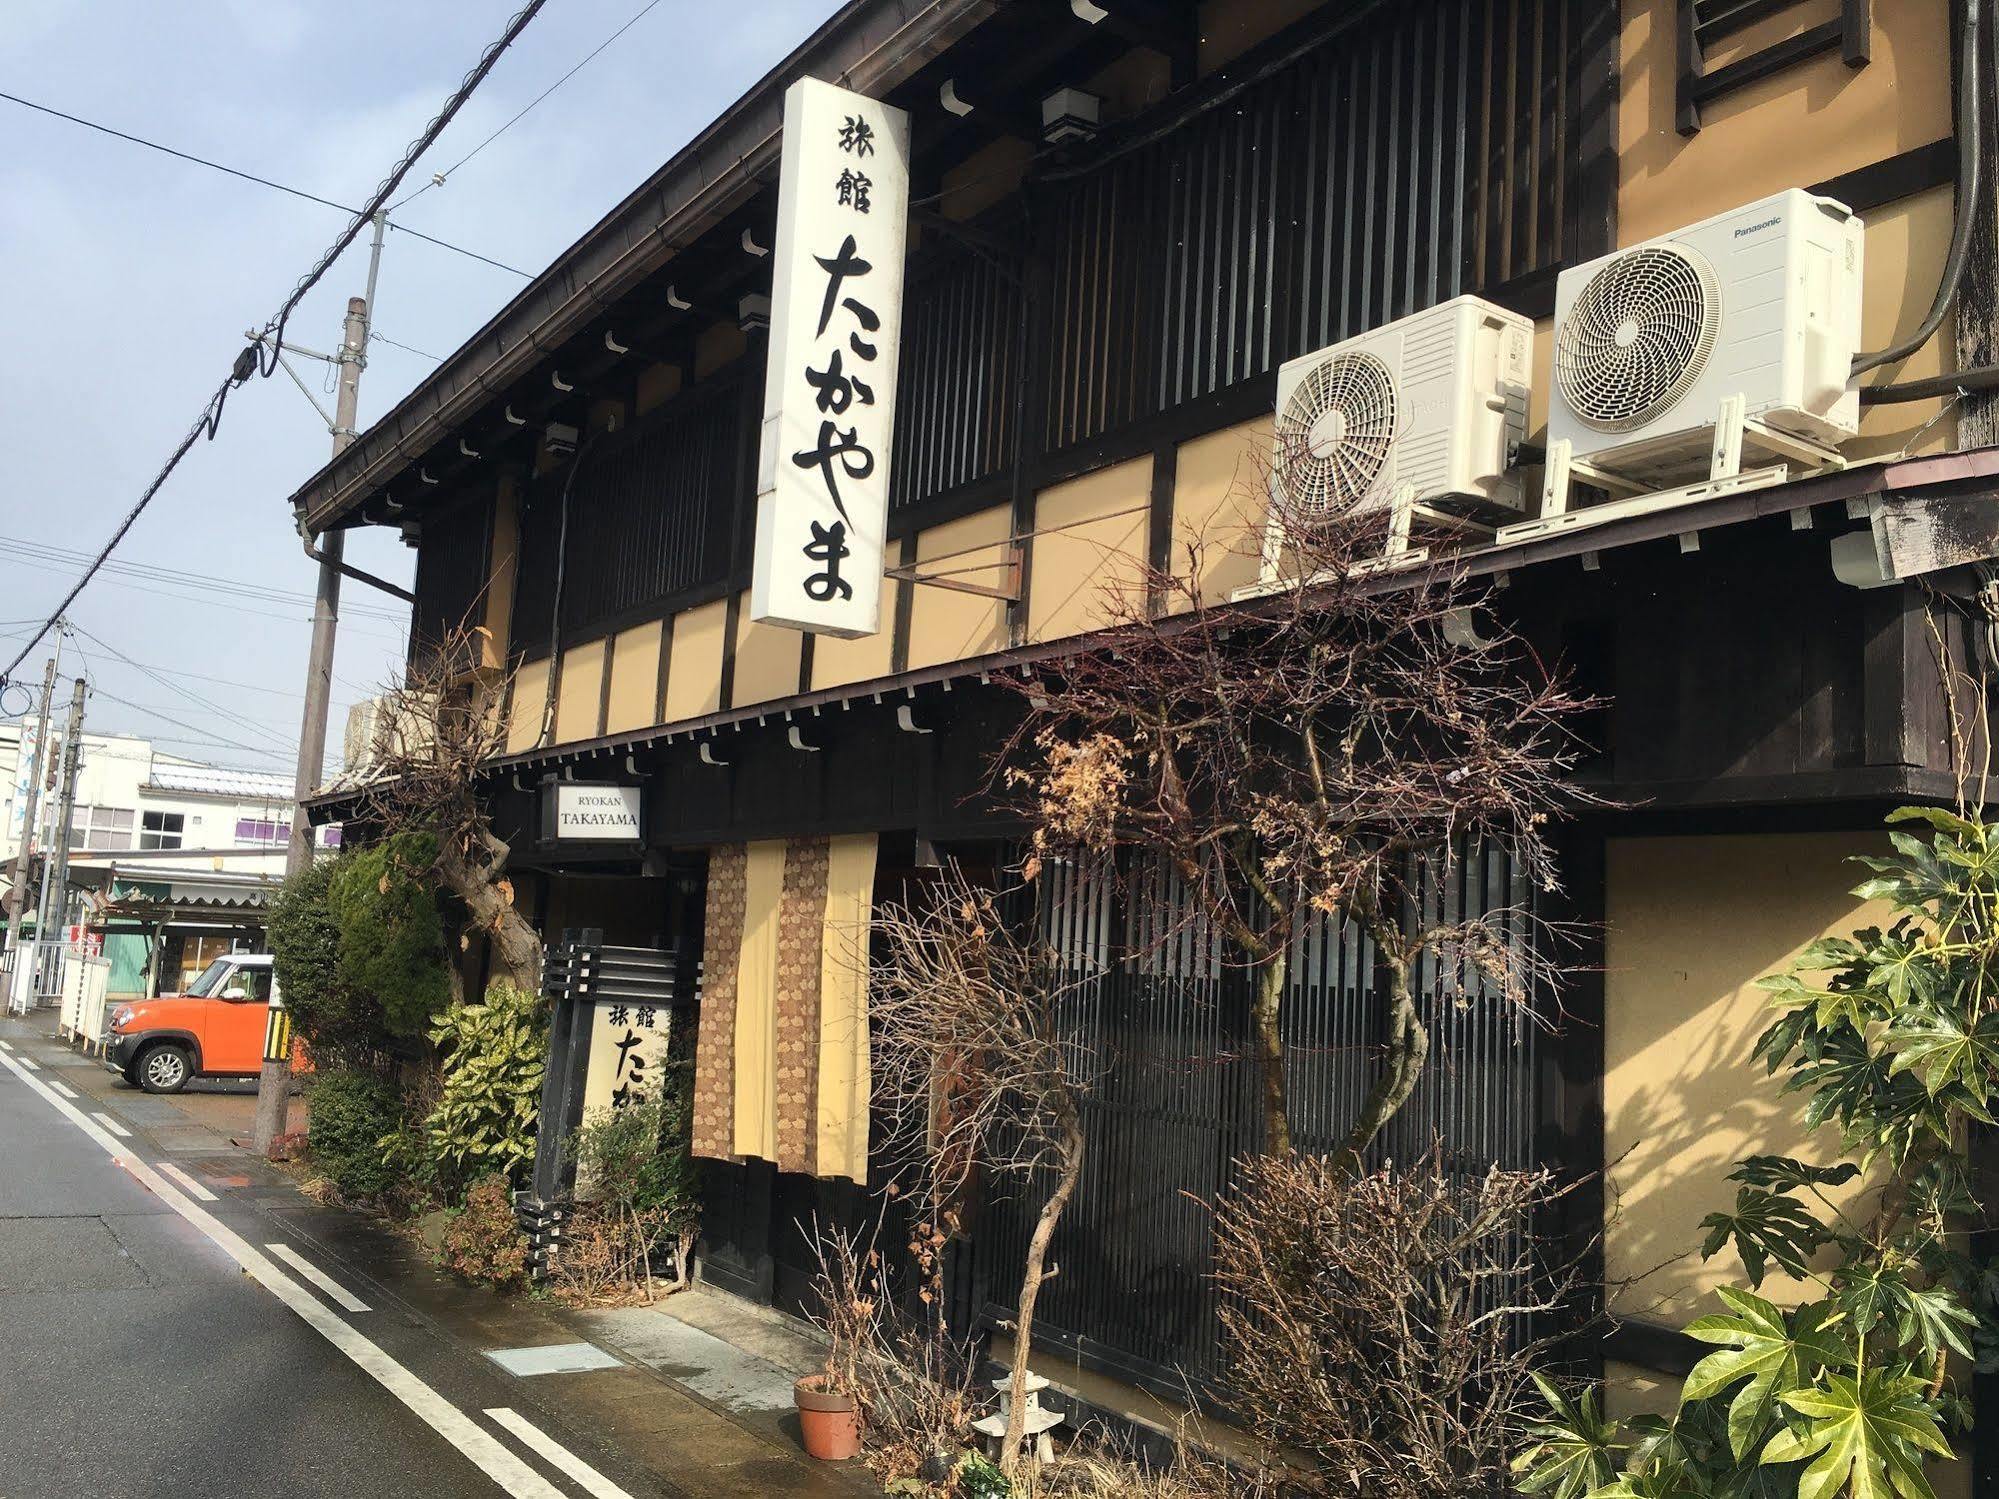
828, 1415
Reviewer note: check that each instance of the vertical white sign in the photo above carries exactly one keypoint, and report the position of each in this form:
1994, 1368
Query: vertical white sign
28, 759
835, 332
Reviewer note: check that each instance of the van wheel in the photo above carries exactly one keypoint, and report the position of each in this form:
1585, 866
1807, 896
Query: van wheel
164, 1068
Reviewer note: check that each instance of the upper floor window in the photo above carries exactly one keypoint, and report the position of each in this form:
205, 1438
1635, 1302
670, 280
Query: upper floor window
100, 827
161, 829
262, 830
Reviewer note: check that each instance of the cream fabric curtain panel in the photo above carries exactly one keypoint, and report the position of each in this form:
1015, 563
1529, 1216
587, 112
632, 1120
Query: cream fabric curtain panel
781, 1068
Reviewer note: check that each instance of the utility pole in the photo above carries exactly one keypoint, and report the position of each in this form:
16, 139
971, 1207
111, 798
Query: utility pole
31, 813
55, 863
274, 1083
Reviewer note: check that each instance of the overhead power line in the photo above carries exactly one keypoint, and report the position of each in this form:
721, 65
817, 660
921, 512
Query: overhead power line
208, 587
251, 360
241, 721
216, 166
439, 179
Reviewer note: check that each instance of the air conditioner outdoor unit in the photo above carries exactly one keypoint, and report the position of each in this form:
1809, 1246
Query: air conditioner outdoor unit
1430, 408
1749, 317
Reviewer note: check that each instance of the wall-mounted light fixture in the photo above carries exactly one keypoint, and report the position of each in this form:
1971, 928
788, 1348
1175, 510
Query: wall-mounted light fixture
1070, 114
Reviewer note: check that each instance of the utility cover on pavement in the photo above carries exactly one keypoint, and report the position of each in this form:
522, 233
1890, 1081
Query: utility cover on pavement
553, 1358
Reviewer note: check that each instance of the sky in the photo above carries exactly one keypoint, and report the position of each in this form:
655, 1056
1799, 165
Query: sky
131, 278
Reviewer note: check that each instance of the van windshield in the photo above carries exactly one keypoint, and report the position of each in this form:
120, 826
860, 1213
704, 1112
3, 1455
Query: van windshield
210, 980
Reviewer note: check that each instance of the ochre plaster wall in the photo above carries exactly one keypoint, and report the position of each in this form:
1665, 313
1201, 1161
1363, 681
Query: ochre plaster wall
1690, 925
579, 694
529, 701
1089, 550
948, 626
1802, 125
694, 672
766, 659
1219, 502
634, 679
837, 662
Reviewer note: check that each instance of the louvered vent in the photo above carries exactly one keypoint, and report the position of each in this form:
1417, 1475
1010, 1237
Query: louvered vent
1637, 337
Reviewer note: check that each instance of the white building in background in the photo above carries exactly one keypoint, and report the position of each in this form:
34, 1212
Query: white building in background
171, 861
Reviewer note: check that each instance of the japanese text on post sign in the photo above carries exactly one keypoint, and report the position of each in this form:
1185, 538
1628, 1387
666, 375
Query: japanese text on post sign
829, 395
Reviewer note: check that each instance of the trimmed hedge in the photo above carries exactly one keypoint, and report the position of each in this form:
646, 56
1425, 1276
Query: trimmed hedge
351, 1112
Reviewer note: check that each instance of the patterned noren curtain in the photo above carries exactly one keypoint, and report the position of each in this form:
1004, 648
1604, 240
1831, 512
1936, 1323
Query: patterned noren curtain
781, 1069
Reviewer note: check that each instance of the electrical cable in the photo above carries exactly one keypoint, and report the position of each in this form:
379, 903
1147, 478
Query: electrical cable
226, 714
555, 605
438, 179
22, 549
374, 337
248, 749
250, 359
1970, 170
216, 166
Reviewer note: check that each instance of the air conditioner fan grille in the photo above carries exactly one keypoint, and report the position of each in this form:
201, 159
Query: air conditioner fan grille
1638, 337
1335, 434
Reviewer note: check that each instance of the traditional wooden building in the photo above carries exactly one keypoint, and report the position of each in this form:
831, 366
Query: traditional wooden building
1124, 216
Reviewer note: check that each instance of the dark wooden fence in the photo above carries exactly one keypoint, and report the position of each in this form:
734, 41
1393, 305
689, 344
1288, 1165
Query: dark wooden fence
1162, 1024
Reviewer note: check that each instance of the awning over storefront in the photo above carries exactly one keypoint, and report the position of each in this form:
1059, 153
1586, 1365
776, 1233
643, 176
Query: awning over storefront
168, 899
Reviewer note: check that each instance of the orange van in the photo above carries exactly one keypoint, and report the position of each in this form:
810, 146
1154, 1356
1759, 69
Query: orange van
215, 1029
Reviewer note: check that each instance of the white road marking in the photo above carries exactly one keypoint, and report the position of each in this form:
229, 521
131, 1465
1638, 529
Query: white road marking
63, 1088
5, 1047
187, 1183
30, 1065
558, 1456
513, 1476
342, 1297
111, 1125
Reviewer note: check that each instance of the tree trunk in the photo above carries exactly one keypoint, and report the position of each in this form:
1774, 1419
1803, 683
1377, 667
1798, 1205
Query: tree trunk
1408, 1052
516, 945
1032, 1275
1271, 973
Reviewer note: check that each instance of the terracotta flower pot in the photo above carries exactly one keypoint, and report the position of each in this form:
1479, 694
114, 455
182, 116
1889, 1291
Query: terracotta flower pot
831, 1421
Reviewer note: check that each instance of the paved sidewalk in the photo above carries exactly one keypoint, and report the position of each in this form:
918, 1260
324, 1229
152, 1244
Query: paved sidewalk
695, 1391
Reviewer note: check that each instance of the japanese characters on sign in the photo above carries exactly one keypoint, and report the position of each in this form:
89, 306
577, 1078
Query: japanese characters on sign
627, 1054
835, 331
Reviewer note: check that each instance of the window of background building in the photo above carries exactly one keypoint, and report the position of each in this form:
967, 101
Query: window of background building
100, 827
262, 830
329, 836
161, 829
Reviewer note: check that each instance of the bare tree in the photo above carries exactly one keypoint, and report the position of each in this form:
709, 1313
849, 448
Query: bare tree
437, 729
1383, 1329
1325, 750
972, 1061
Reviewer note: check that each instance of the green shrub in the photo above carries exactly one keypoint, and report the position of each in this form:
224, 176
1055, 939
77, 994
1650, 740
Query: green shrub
351, 1113
391, 933
637, 1158
495, 1053
483, 1241
305, 953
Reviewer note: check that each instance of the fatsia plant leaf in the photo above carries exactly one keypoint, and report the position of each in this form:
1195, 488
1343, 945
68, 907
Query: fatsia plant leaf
1864, 1437
1941, 1049
1827, 1008
1572, 1453
1774, 1354
1933, 1319
1765, 1227
1783, 1173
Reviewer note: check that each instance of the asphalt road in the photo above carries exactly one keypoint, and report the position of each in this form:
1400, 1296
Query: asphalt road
150, 1343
